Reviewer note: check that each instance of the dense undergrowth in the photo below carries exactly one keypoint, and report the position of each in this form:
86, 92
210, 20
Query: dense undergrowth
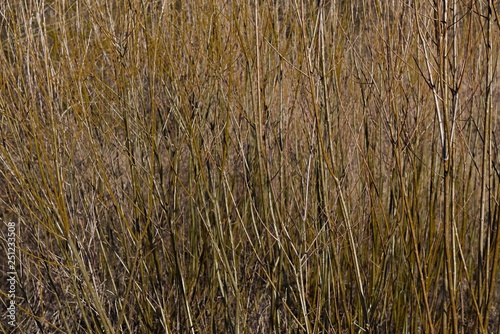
251, 166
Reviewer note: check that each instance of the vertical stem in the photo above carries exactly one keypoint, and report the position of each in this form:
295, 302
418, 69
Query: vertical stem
328, 163
443, 82
484, 255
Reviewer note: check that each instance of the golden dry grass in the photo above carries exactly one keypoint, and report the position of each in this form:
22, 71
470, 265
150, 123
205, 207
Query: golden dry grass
251, 167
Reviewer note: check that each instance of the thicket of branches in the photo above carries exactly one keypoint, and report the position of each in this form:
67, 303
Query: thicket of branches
251, 166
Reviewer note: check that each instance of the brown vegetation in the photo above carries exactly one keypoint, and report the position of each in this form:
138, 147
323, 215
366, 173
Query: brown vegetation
252, 167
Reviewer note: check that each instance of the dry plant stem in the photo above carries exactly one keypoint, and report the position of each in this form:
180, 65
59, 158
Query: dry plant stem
323, 189
319, 136
407, 209
443, 81
281, 173
484, 246
263, 181
182, 284
483, 259
431, 83
108, 328
74, 253
494, 268
440, 93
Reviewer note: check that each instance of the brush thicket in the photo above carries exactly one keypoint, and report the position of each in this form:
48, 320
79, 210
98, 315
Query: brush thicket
251, 167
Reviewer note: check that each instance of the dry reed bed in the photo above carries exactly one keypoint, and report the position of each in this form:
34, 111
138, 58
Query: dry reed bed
252, 167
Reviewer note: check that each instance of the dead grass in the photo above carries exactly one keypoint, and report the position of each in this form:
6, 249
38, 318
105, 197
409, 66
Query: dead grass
251, 167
